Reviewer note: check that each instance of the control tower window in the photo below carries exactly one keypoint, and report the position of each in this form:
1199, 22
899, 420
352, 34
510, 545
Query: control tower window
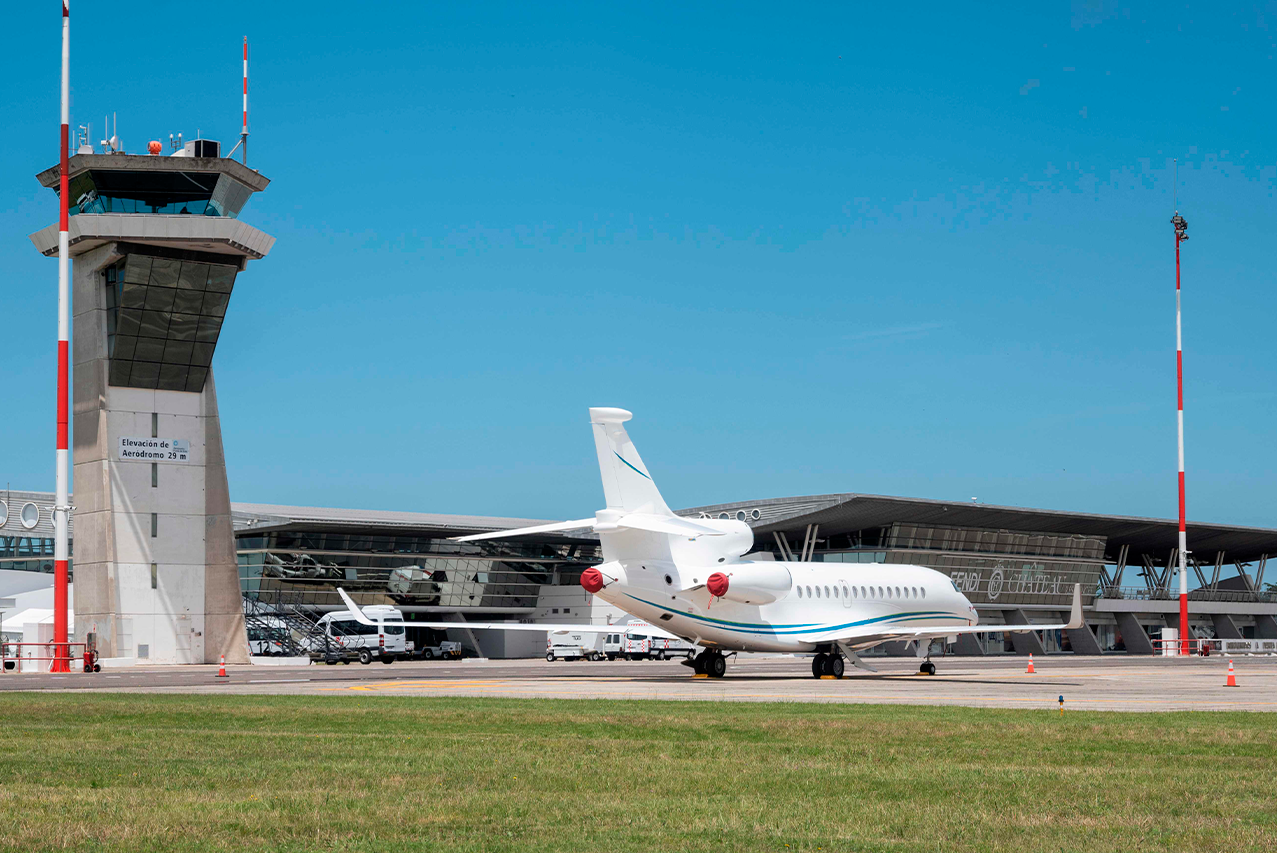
166, 192
163, 320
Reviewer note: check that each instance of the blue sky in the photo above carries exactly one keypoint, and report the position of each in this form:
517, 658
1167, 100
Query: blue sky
918, 251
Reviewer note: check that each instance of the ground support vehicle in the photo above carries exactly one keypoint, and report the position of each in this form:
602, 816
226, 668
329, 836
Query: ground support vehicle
446, 649
572, 646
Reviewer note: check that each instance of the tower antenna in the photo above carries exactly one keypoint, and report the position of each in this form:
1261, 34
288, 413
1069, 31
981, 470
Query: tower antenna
243, 136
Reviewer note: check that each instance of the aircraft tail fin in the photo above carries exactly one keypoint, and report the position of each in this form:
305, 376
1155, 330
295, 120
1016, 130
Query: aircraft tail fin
627, 485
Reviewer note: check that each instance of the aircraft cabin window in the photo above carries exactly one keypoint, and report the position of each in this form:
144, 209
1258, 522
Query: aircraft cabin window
809, 592
800, 592
835, 592
881, 594
915, 592
818, 592
898, 592
826, 592
924, 592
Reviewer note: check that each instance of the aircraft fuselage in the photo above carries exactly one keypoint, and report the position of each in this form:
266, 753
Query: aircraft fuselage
822, 597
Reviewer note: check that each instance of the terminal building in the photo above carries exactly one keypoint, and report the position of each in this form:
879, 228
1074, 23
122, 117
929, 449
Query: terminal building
1016, 565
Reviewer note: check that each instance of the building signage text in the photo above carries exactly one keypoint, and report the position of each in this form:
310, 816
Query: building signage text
155, 449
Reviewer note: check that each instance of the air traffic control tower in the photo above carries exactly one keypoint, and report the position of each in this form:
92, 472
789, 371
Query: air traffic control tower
157, 244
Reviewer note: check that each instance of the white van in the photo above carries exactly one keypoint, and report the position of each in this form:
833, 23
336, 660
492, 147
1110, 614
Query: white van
639, 641
386, 643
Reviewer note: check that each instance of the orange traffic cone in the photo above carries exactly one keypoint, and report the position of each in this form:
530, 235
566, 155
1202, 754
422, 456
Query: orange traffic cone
1232, 678
221, 667
1029, 671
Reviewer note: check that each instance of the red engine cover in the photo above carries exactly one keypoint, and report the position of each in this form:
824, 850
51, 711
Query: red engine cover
592, 580
717, 584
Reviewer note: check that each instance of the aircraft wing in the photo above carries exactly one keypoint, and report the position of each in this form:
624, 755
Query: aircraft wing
666, 524
879, 633
671, 524
523, 531
543, 627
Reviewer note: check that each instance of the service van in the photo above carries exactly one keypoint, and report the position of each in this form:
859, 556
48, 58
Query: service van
639, 641
346, 634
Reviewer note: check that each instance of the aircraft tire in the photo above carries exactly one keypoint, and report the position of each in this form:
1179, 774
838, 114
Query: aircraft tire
927, 668
716, 666
818, 665
835, 666
698, 663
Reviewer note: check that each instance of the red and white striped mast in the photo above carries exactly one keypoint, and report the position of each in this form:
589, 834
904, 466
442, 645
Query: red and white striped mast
243, 136
61, 509
1181, 234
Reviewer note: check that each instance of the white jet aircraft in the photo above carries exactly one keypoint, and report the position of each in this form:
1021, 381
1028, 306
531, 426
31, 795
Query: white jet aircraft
687, 577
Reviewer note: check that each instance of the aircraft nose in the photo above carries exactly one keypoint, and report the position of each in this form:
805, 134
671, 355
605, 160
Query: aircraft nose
592, 580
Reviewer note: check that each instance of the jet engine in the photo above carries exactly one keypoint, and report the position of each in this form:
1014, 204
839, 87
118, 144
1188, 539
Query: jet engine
751, 583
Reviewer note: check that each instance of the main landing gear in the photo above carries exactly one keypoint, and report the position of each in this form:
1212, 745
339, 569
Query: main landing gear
711, 663
827, 664
927, 668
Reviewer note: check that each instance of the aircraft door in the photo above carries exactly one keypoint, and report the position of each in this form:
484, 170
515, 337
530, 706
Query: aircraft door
846, 594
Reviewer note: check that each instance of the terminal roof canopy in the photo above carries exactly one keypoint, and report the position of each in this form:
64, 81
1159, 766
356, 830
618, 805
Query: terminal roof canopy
847, 513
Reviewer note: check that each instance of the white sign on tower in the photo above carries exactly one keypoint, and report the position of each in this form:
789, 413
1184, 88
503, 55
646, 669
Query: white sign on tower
155, 449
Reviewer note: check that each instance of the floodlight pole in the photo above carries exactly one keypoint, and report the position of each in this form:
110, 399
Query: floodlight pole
61, 508
1181, 229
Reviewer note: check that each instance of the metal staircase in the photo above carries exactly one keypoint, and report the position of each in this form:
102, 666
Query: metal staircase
286, 628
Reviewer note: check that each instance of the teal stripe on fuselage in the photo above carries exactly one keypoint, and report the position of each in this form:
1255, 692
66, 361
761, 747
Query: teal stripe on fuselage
798, 628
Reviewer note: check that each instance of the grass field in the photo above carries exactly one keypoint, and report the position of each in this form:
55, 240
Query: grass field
201, 773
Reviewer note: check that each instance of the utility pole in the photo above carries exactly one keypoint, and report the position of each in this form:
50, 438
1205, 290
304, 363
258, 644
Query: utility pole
1181, 234
61, 508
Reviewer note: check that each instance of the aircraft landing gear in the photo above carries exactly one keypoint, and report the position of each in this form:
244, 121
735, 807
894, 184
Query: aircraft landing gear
927, 668
827, 664
711, 663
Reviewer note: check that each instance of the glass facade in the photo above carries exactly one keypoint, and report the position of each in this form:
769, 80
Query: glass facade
163, 319
140, 191
27, 553
993, 568
413, 572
